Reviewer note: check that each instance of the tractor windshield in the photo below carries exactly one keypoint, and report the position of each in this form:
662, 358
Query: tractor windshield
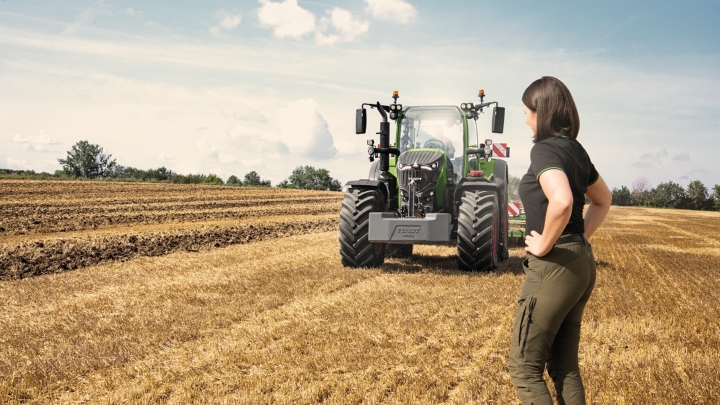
434, 127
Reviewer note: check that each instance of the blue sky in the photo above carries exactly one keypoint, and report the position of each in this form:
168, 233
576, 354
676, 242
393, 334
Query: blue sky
226, 87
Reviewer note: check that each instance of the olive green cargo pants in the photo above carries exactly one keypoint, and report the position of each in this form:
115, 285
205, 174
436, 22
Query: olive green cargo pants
547, 324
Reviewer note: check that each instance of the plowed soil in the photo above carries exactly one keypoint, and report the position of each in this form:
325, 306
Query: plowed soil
52, 226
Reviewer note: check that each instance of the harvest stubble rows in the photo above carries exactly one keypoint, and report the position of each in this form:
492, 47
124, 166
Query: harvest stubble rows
281, 321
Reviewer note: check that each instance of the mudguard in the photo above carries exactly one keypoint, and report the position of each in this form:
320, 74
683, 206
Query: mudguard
368, 184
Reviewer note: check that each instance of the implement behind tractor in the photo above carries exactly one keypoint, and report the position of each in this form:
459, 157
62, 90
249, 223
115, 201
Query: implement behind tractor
435, 184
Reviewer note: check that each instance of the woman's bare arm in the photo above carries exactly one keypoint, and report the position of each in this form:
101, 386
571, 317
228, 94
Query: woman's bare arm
600, 199
556, 187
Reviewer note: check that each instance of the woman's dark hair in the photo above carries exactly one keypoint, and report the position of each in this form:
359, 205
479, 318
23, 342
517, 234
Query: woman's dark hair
555, 108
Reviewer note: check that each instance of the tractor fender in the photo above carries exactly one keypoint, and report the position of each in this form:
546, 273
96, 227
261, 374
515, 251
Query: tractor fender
365, 184
475, 183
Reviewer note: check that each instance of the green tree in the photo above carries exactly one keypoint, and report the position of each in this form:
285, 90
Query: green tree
213, 179
253, 179
622, 196
669, 195
642, 192
87, 160
513, 186
716, 197
233, 181
698, 197
309, 178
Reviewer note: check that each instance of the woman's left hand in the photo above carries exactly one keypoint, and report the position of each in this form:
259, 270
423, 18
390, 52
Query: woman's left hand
535, 244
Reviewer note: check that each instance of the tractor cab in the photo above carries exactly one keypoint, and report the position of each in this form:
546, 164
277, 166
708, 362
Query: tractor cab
435, 128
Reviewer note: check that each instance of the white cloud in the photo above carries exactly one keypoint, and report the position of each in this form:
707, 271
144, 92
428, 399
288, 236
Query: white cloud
288, 19
226, 21
205, 148
40, 142
165, 158
226, 158
230, 21
394, 10
305, 131
13, 164
681, 157
212, 153
347, 27
256, 141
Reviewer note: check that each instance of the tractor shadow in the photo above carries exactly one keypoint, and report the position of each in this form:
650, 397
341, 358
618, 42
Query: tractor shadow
447, 266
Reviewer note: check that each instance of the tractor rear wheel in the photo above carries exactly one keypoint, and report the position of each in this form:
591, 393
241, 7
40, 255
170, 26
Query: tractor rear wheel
355, 248
477, 234
399, 251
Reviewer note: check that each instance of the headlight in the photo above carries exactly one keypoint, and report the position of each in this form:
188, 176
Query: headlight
462, 106
488, 142
434, 165
399, 165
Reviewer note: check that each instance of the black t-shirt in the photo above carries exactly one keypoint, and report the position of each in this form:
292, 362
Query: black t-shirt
569, 156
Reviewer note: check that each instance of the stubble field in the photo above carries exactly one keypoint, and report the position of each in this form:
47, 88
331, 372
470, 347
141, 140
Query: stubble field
191, 294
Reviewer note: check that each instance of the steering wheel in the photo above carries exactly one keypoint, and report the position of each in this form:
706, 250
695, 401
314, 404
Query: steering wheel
434, 143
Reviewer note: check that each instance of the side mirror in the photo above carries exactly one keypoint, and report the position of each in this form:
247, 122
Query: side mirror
360, 121
498, 121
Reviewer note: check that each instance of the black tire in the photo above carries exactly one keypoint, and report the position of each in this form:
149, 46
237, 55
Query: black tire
355, 249
399, 251
501, 179
477, 236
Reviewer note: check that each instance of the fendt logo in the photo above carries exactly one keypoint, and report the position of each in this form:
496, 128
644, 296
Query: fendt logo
407, 231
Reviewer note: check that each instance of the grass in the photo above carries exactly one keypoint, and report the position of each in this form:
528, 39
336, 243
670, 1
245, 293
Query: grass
282, 322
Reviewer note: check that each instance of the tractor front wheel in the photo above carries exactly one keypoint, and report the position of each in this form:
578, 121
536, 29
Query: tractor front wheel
355, 248
477, 236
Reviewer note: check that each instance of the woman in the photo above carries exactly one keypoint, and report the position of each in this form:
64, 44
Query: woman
560, 267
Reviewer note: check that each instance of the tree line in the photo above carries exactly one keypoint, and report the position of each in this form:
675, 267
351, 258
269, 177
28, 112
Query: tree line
89, 161
668, 195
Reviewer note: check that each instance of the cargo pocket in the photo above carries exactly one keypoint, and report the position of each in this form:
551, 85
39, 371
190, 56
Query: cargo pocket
525, 321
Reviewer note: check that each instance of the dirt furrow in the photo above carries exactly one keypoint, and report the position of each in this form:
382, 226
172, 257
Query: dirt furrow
33, 258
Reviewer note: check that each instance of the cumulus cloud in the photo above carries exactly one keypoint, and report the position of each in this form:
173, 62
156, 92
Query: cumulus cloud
346, 27
256, 142
394, 10
287, 19
226, 21
305, 131
13, 164
212, 153
40, 142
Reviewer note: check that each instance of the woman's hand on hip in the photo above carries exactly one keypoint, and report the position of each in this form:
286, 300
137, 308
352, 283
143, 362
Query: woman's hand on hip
536, 244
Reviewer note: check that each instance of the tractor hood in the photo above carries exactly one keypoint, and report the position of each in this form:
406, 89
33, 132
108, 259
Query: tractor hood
422, 157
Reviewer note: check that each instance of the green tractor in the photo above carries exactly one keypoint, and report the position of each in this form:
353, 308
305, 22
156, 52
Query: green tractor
435, 183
